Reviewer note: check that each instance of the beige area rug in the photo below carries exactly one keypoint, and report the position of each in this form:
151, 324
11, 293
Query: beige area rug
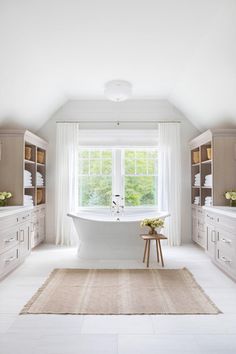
119, 292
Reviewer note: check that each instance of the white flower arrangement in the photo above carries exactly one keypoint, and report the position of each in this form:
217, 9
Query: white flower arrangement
230, 195
4, 196
153, 223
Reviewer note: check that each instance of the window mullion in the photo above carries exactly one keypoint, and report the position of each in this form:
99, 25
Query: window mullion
117, 178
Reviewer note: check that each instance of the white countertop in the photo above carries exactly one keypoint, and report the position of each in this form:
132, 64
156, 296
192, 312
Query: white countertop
11, 210
223, 210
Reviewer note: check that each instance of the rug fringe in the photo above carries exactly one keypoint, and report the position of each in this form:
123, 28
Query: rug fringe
26, 308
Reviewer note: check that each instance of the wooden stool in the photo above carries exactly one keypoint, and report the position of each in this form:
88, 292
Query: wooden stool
148, 239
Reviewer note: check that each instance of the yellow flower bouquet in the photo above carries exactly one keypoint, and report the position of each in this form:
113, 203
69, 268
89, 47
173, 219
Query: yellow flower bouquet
4, 196
153, 224
231, 196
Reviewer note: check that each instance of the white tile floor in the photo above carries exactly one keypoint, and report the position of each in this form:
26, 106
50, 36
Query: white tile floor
55, 334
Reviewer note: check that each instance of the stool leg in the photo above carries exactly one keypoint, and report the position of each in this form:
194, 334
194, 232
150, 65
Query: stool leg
148, 255
145, 251
157, 251
159, 243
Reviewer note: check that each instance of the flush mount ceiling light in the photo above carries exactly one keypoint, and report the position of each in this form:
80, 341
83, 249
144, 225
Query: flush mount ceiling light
118, 90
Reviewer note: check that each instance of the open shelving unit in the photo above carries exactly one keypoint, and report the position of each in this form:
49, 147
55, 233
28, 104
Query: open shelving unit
20, 150
202, 165
15, 160
34, 165
221, 164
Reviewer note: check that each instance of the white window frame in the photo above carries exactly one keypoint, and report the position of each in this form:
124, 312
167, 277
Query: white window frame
137, 148
95, 148
118, 172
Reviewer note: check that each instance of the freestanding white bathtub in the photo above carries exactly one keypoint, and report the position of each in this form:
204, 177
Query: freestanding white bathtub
102, 236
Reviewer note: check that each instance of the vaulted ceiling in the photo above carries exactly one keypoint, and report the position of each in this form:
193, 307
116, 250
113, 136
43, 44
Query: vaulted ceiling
55, 50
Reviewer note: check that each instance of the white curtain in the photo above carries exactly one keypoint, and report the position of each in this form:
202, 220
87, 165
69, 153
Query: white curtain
169, 179
66, 181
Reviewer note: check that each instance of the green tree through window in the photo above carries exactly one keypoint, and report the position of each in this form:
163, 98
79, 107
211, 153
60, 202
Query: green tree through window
140, 177
95, 177
98, 176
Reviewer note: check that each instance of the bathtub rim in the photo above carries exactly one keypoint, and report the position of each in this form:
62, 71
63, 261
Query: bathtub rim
162, 215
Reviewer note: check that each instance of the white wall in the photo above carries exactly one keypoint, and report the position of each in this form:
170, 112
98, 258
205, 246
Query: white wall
111, 112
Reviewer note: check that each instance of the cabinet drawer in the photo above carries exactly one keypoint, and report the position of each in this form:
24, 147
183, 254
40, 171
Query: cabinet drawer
200, 212
201, 224
226, 238
39, 209
227, 223
24, 217
226, 260
35, 240
226, 244
9, 239
194, 211
201, 238
8, 222
9, 260
211, 218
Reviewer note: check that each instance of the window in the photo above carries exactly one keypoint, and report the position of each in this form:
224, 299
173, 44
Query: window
131, 173
95, 177
140, 177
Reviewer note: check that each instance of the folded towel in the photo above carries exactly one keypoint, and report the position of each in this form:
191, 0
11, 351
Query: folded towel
208, 201
27, 196
28, 200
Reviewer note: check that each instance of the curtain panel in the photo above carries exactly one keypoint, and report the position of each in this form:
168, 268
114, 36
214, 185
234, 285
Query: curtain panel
67, 144
169, 179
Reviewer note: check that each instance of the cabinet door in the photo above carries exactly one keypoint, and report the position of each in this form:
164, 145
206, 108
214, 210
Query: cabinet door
41, 227
33, 233
38, 228
24, 238
195, 229
211, 239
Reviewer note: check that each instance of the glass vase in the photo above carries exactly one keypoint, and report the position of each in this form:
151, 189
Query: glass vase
3, 203
152, 231
232, 203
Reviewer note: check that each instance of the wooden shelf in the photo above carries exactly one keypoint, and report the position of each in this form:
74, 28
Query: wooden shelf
30, 162
41, 164
196, 164
39, 187
206, 162
196, 186
29, 187
205, 187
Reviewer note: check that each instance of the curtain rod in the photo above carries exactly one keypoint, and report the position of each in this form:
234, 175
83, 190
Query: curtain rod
118, 122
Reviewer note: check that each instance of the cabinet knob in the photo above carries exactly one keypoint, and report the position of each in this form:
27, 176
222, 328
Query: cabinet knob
25, 217
224, 259
10, 240
225, 240
9, 260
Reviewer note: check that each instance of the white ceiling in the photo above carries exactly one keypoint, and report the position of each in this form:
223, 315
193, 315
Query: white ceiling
55, 50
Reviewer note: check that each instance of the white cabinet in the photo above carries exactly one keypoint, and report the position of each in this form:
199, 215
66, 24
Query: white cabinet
198, 226
221, 241
212, 159
226, 251
15, 240
9, 260
38, 225
24, 240
211, 241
